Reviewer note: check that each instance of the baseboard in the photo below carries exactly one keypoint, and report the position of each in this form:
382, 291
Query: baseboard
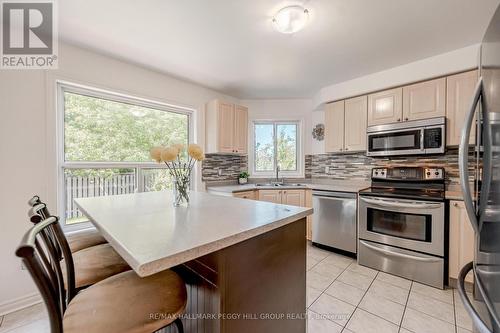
20, 303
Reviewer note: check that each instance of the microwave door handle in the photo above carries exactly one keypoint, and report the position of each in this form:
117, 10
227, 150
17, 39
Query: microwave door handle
398, 254
463, 158
393, 204
478, 322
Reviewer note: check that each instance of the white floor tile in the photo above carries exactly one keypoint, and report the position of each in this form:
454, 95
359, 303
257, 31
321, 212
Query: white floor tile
432, 307
312, 294
317, 253
419, 322
355, 267
338, 260
394, 280
23, 317
364, 322
355, 279
404, 330
311, 262
345, 292
462, 330
317, 323
318, 281
462, 317
327, 269
389, 291
335, 309
445, 295
382, 307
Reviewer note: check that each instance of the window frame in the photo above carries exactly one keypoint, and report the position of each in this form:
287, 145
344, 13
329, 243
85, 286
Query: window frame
139, 167
299, 173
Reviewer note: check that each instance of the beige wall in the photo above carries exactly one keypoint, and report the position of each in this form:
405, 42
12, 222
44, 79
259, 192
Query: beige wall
28, 140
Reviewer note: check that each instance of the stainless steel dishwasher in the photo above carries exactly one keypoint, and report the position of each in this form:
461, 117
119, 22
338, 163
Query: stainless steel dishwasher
334, 220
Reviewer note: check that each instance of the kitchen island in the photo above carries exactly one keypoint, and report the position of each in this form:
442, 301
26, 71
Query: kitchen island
243, 261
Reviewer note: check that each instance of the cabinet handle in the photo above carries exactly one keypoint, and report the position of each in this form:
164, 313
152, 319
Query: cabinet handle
455, 204
406, 119
346, 148
399, 119
340, 149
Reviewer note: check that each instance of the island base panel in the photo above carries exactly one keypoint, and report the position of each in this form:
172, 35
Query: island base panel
258, 284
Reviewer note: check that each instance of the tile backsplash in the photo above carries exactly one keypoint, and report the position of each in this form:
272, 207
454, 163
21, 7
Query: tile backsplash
230, 166
358, 166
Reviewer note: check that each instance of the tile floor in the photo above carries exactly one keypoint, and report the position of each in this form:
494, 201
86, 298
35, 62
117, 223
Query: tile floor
341, 297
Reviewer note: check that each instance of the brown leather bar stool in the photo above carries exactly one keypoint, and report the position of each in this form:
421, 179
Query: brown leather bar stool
78, 240
92, 264
123, 303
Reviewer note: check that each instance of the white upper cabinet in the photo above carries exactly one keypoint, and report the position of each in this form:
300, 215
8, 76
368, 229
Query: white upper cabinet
355, 123
424, 100
385, 107
460, 90
334, 127
226, 128
241, 129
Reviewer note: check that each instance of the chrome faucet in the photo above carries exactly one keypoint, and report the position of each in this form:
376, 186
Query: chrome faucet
277, 180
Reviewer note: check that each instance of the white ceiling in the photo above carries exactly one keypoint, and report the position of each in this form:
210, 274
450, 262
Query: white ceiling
230, 45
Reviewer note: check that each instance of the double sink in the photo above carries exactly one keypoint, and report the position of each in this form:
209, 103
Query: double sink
279, 185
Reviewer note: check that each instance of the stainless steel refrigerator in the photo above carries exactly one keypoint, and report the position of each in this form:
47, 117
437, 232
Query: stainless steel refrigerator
480, 181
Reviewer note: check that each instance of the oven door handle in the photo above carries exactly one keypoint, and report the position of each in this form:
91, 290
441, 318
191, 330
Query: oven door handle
394, 204
398, 254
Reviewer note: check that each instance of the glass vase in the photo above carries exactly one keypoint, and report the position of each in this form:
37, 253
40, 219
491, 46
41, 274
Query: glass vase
181, 191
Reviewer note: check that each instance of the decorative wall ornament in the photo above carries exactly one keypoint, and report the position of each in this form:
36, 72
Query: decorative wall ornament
319, 132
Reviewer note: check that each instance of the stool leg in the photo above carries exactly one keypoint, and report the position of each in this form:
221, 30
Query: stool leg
178, 323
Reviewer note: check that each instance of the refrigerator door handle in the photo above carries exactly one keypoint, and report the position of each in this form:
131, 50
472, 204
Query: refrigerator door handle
463, 158
476, 319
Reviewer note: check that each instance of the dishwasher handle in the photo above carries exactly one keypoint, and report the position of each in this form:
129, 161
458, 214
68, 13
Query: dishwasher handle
334, 194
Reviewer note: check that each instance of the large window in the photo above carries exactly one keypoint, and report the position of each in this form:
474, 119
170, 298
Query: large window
276, 144
106, 142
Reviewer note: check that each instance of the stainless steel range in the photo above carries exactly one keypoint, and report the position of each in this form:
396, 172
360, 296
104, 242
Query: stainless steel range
402, 223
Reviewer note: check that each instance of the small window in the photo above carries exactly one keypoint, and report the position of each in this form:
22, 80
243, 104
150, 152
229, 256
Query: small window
276, 144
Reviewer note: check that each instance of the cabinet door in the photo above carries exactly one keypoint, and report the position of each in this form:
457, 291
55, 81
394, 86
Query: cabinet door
424, 100
240, 129
385, 107
356, 110
334, 127
459, 93
294, 197
461, 240
245, 195
270, 196
226, 127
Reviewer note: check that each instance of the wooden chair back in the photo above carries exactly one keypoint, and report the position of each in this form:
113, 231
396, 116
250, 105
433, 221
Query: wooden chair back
42, 249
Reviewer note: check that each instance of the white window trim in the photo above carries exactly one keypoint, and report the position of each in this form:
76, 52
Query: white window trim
299, 173
64, 86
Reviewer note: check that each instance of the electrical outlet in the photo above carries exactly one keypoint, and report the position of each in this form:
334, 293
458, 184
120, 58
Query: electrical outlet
327, 169
219, 172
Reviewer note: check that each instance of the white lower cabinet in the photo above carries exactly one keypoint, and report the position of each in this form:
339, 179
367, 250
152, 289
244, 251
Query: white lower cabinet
461, 240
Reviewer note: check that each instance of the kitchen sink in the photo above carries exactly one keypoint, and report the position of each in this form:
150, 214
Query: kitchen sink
279, 185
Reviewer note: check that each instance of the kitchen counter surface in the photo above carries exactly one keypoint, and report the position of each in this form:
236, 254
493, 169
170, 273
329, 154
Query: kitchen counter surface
331, 185
152, 235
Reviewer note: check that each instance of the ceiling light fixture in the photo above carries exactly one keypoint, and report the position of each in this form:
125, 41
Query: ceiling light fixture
291, 19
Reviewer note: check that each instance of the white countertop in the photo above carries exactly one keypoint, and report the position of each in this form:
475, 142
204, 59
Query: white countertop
335, 185
152, 235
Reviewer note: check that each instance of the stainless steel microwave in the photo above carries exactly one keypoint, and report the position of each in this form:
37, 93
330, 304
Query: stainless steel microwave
419, 137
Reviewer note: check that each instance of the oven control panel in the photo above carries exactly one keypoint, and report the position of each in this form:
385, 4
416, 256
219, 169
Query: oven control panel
379, 173
433, 173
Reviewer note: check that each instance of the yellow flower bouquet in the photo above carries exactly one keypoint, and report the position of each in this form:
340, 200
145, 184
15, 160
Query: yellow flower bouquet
180, 168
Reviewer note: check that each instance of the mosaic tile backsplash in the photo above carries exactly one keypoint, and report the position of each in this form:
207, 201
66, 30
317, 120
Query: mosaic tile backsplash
358, 166
230, 166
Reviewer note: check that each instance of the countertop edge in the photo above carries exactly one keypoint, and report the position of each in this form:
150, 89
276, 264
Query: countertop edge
158, 265
180, 258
